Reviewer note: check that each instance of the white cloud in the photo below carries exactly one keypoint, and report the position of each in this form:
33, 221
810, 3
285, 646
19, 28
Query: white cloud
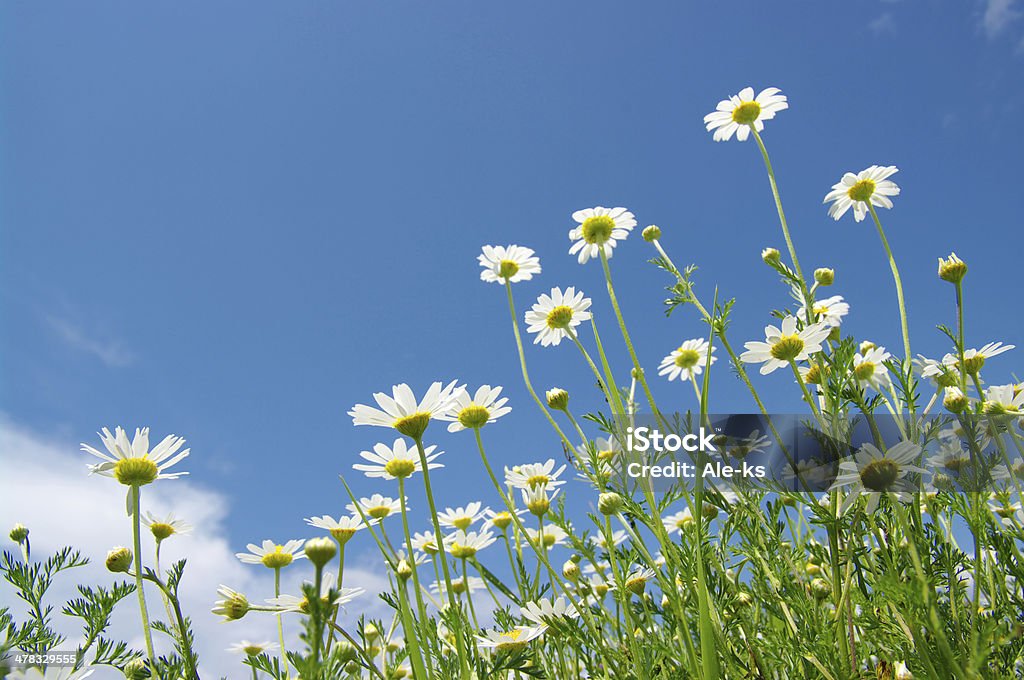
110, 351
45, 486
998, 15
883, 24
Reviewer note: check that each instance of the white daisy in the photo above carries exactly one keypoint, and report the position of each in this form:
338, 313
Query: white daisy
501, 519
856, 191
131, 462
508, 264
233, 605
875, 473
736, 114
532, 475
553, 535
599, 228
463, 545
1004, 399
687, 360
401, 410
509, 641
553, 317
636, 581
677, 522
974, 359
537, 499
396, 461
163, 527
377, 506
459, 585
869, 368
273, 555
461, 518
300, 605
474, 412
618, 537
938, 373
252, 648
829, 311
425, 542
342, 529
783, 346
544, 612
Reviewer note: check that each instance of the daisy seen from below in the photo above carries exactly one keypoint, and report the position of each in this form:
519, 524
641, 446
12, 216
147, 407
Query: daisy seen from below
555, 315
397, 461
513, 640
273, 555
868, 187
299, 605
485, 406
553, 535
532, 475
252, 648
636, 581
425, 542
463, 545
132, 462
869, 368
403, 412
875, 473
686, 361
974, 359
341, 529
544, 612
462, 518
737, 114
1004, 399
829, 311
508, 264
599, 229
460, 586
786, 345
501, 519
677, 522
165, 527
376, 506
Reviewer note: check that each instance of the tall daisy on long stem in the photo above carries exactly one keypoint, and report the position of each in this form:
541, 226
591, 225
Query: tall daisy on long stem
275, 556
134, 465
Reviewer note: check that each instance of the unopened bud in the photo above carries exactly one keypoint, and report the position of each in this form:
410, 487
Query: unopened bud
19, 533
570, 570
346, 651
135, 669
403, 570
952, 269
320, 551
651, 233
820, 589
955, 401
824, 276
609, 503
119, 560
558, 399
770, 256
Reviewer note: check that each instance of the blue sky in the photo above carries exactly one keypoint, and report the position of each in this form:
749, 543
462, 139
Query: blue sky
233, 221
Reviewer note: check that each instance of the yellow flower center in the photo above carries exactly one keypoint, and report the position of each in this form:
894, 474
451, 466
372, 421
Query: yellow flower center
636, 585
605, 456
379, 511
813, 375
684, 522
462, 522
135, 471
253, 650
400, 467
598, 229
459, 587
277, 558
687, 358
864, 370
560, 317
460, 551
862, 190
549, 540
788, 347
821, 308
746, 113
342, 535
879, 475
413, 425
507, 269
474, 417
512, 635
161, 530
538, 480
501, 520
974, 364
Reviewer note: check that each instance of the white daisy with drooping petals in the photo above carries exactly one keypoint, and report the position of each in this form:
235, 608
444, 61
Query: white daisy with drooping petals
377, 506
402, 412
687, 361
132, 462
829, 311
618, 537
508, 264
544, 612
677, 522
300, 605
1004, 399
553, 535
425, 542
252, 648
735, 115
869, 186
974, 359
342, 529
869, 368
599, 229
462, 518
781, 346
514, 640
273, 555
163, 527
533, 475
556, 315
875, 473
462, 585
939, 373
473, 412
463, 545
395, 461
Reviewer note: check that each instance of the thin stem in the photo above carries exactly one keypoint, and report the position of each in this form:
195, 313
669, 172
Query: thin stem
899, 290
422, 609
280, 622
778, 207
137, 538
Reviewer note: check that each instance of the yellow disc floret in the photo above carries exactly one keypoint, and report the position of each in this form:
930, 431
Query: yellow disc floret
135, 471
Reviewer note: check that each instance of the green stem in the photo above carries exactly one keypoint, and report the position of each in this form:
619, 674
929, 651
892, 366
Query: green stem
782, 214
280, 622
136, 492
899, 290
420, 606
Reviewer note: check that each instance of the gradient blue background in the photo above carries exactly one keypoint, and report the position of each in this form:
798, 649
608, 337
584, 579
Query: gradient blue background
234, 220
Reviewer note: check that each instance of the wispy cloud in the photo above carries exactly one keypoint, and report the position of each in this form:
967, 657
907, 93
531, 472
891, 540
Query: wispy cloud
998, 15
48, 490
110, 351
883, 24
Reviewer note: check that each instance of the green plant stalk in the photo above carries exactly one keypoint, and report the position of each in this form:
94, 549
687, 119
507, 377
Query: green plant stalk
960, 334
280, 622
421, 608
622, 592
341, 574
899, 292
317, 622
837, 581
782, 215
179, 619
465, 671
136, 492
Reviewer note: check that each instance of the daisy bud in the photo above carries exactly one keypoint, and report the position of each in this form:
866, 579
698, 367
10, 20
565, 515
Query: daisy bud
651, 233
370, 632
812, 569
19, 533
609, 503
135, 670
320, 551
942, 481
955, 401
346, 651
788, 501
867, 346
952, 269
820, 589
770, 256
570, 570
744, 599
119, 560
824, 276
709, 511
392, 647
558, 399
403, 570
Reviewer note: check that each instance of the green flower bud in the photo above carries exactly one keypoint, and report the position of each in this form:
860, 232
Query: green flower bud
119, 560
570, 570
609, 503
824, 276
651, 233
820, 589
321, 550
770, 256
19, 533
952, 269
136, 669
558, 399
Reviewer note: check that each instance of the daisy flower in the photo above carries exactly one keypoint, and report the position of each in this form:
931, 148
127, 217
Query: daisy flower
300, 605
687, 360
553, 535
829, 311
869, 368
938, 373
425, 542
273, 555
1004, 399
342, 529
735, 115
974, 359
875, 473
618, 537
784, 346
871, 185
51, 673
533, 475
599, 228
252, 648
462, 585
508, 264
474, 412
461, 518
514, 640
233, 605
636, 581
501, 519
537, 499
543, 612
401, 410
462, 545
376, 506
165, 527
678, 522
395, 462
131, 462
555, 316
